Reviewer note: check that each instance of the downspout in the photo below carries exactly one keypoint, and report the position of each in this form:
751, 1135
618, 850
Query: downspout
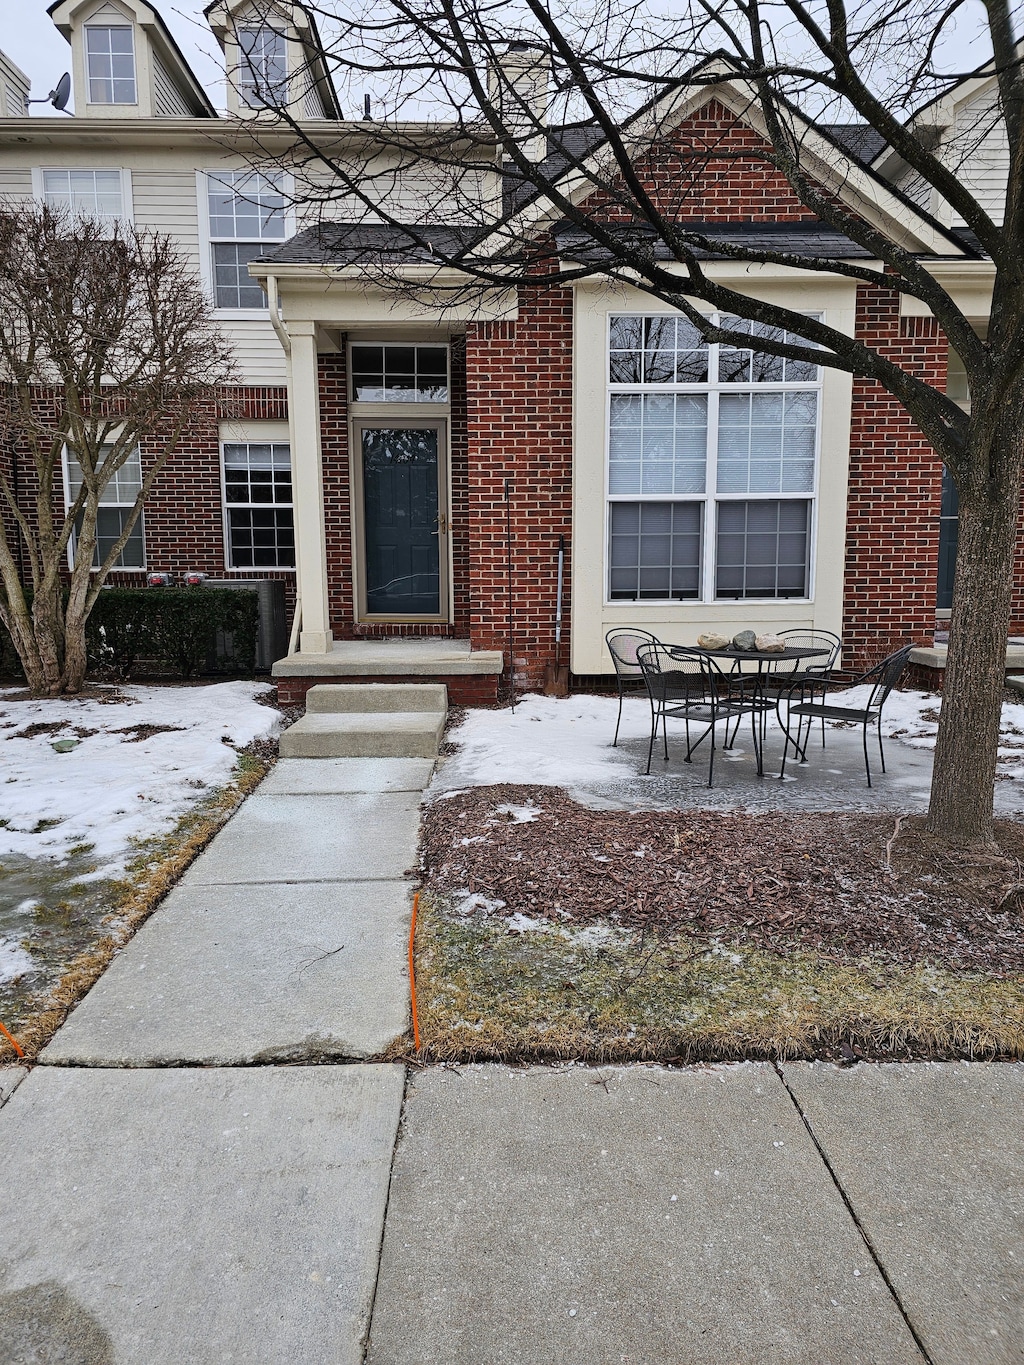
274, 303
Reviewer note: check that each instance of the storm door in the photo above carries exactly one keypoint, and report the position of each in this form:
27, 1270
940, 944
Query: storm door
403, 523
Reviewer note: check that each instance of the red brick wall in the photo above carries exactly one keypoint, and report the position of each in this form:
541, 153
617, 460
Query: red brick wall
892, 539
519, 395
712, 167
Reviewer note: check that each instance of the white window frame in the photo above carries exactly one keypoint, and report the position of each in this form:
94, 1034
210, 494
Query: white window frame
207, 241
127, 204
110, 104
713, 388
245, 70
277, 433
140, 525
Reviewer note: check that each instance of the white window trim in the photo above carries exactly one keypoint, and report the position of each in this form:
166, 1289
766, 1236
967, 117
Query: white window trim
104, 104
127, 202
710, 498
206, 239
141, 524
250, 435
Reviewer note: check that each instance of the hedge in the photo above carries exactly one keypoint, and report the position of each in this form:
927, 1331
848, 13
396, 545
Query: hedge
177, 631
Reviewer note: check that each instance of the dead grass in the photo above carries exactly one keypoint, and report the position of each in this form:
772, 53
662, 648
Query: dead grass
157, 868
486, 992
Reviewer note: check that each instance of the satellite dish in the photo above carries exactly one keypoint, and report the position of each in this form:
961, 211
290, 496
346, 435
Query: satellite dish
60, 96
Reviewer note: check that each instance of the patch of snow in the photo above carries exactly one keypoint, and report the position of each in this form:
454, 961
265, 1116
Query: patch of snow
519, 815
14, 961
523, 924
473, 903
113, 789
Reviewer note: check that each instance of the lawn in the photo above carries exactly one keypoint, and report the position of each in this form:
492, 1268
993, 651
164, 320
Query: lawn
104, 799
577, 923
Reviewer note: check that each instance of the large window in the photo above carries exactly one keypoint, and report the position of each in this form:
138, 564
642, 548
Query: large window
116, 502
91, 194
712, 464
110, 64
258, 497
246, 211
262, 68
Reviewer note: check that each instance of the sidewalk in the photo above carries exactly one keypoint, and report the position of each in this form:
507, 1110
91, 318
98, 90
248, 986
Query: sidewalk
200, 1168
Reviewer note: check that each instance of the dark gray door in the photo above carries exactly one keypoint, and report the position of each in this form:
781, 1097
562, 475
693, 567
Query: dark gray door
400, 521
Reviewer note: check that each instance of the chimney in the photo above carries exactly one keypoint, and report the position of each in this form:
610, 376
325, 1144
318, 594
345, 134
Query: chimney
518, 88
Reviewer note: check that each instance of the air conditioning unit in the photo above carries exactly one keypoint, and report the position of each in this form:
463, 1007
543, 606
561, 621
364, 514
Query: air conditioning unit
272, 631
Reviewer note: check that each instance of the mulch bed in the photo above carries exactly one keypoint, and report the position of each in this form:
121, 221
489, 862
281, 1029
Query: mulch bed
847, 885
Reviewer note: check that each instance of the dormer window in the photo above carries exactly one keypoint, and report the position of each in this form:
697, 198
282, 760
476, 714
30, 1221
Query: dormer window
262, 68
110, 64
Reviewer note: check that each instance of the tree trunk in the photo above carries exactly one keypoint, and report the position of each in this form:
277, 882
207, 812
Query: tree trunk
963, 779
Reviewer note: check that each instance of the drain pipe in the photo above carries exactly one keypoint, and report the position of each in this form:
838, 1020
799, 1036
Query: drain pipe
274, 304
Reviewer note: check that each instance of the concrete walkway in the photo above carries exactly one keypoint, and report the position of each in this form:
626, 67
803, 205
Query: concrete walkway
206, 1167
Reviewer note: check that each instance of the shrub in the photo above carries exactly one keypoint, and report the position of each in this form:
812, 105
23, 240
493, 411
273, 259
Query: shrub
183, 631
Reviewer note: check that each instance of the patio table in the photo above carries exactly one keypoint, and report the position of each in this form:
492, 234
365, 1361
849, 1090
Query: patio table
767, 662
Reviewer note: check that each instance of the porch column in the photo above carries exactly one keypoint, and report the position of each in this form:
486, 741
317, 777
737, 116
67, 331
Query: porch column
308, 490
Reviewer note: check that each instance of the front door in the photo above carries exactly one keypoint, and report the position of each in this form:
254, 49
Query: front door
403, 528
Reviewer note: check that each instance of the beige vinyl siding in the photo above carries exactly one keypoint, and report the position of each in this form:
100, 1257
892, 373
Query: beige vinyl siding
979, 153
165, 201
16, 181
167, 100
258, 352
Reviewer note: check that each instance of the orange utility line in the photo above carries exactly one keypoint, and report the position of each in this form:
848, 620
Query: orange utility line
412, 973
18, 1049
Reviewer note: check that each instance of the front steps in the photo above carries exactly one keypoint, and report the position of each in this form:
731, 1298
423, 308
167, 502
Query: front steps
369, 720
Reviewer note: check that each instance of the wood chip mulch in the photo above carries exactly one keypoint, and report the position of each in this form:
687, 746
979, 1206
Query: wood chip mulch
848, 885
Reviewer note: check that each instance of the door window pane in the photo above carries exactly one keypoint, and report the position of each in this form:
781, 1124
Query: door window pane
655, 550
762, 549
110, 61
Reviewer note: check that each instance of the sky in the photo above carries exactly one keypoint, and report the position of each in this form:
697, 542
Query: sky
28, 36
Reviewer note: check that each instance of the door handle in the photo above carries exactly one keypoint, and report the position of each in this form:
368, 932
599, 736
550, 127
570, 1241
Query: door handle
441, 521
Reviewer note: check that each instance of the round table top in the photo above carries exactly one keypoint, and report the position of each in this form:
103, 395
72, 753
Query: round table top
788, 655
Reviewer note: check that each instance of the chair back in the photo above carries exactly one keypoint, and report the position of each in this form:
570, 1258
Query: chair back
674, 673
814, 639
623, 643
885, 675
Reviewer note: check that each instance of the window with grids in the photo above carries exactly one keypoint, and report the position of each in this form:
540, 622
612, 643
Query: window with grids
115, 504
262, 68
712, 463
258, 498
246, 211
90, 194
110, 64
399, 374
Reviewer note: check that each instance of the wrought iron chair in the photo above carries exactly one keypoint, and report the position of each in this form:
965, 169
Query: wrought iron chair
882, 678
623, 643
813, 670
686, 685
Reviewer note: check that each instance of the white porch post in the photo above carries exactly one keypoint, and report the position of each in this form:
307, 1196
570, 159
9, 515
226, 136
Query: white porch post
308, 490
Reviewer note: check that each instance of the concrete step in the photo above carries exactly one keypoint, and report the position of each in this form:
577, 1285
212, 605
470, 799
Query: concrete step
365, 734
335, 698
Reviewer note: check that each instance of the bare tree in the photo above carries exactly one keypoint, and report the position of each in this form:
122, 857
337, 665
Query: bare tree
107, 339
556, 138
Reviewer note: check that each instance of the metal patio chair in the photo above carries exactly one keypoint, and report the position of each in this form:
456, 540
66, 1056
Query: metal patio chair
813, 670
686, 685
883, 678
623, 643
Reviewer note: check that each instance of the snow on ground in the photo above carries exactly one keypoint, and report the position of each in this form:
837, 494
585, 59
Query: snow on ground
567, 743
113, 788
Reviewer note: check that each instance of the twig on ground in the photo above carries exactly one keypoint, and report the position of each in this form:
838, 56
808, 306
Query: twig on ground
887, 865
